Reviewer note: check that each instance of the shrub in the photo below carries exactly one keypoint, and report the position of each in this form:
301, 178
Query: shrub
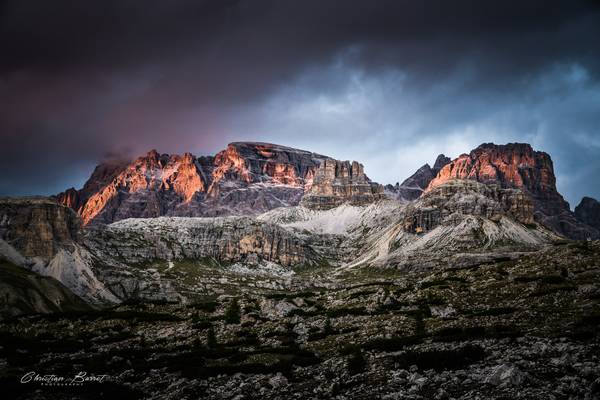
392, 344
211, 338
208, 306
442, 359
356, 362
233, 312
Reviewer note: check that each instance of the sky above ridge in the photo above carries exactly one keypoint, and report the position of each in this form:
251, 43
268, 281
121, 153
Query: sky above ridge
388, 83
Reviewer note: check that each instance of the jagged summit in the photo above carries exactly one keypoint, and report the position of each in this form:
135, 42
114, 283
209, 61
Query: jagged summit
246, 178
415, 184
440, 162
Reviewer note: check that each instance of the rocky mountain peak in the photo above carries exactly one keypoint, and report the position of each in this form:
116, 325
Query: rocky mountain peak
153, 155
517, 166
415, 184
440, 162
588, 212
257, 161
244, 178
514, 165
143, 187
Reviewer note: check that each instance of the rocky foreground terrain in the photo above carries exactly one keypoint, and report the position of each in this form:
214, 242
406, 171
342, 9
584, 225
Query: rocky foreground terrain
270, 272
520, 326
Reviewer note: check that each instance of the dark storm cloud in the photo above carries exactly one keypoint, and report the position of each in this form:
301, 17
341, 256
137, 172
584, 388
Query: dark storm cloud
82, 80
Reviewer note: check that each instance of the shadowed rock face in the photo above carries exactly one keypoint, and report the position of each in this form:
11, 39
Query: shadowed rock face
37, 227
25, 292
338, 182
517, 165
414, 185
463, 197
588, 212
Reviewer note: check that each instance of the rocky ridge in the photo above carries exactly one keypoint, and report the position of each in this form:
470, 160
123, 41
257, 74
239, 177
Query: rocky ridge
462, 197
45, 237
343, 221
246, 178
223, 239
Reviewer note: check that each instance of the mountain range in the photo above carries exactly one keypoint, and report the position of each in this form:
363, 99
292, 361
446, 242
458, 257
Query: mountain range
271, 206
251, 178
271, 270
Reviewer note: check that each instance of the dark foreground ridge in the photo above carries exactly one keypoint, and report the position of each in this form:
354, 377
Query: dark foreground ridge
523, 327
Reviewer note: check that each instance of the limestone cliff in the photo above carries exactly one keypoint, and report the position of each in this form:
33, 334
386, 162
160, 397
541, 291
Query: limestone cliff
42, 236
463, 197
224, 239
518, 166
338, 182
37, 227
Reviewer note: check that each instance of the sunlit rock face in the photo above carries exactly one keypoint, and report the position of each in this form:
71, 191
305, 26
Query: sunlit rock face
245, 178
147, 187
588, 212
264, 162
414, 185
517, 165
463, 197
102, 176
338, 182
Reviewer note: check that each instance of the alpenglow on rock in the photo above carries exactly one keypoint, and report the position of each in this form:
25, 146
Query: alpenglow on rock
245, 178
338, 182
518, 166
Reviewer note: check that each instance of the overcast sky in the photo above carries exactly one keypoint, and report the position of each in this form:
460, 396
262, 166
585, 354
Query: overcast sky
388, 83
